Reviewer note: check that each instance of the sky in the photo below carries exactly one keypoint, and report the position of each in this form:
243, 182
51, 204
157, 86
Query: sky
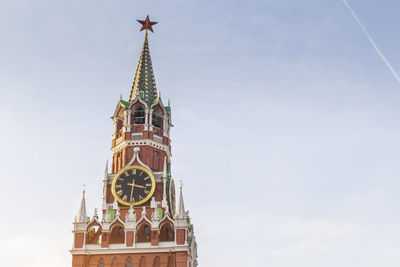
286, 124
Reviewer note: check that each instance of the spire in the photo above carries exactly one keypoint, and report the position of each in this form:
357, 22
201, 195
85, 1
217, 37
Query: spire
144, 83
82, 211
181, 212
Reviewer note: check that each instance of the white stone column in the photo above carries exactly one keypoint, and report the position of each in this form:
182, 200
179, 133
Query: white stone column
125, 121
146, 119
128, 127
165, 124
115, 129
151, 119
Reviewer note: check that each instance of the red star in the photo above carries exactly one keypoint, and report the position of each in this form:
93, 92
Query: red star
147, 24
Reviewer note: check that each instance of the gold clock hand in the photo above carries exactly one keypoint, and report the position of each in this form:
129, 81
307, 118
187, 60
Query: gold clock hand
133, 186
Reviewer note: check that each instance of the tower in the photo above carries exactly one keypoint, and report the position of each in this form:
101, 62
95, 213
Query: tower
140, 223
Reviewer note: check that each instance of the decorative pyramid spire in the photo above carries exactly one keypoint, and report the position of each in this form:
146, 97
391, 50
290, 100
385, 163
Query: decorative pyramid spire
181, 212
82, 211
144, 84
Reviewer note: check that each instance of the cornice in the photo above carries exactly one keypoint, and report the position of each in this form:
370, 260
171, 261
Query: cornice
143, 142
131, 250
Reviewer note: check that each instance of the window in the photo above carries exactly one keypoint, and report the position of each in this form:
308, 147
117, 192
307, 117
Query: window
170, 262
167, 232
156, 262
100, 264
117, 235
155, 120
156, 153
120, 124
93, 235
142, 262
139, 116
143, 234
128, 264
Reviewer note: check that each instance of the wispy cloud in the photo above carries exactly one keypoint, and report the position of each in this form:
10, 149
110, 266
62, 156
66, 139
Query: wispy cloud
384, 59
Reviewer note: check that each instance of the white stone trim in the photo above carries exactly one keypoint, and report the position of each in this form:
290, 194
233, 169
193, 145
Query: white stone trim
143, 142
130, 250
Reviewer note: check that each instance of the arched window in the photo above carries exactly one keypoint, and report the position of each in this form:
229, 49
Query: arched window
93, 234
167, 232
170, 262
155, 119
139, 116
117, 235
142, 262
156, 262
128, 263
143, 233
120, 123
100, 264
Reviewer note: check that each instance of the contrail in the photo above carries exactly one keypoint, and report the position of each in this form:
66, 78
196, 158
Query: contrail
387, 63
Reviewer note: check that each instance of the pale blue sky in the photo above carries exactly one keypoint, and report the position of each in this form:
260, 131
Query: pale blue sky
286, 124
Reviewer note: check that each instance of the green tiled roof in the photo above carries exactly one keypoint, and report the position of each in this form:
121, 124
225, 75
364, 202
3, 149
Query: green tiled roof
125, 103
144, 81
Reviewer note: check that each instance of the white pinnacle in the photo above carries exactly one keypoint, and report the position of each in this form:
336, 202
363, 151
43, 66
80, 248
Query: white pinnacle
82, 211
181, 212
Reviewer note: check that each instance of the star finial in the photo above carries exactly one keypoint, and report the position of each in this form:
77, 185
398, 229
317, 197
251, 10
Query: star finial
147, 24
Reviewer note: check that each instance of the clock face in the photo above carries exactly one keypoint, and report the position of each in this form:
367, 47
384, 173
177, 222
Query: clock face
133, 185
172, 198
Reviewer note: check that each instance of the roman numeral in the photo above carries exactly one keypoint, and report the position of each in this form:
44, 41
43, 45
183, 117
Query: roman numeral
119, 192
148, 184
146, 191
141, 173
134, 171
118, 186
125, 198
140, 197
126, 173
147, 178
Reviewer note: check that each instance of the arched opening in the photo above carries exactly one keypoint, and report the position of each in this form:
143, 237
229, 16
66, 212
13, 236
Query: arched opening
171, 262
128, 262
93, 235
117, 235
155, 120
100, 263
157, 117
142, 262
120, 124
143, 233
167, 232
156, 262
139, 115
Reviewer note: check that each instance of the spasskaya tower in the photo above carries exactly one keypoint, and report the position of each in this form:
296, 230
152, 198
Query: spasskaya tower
140, 223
